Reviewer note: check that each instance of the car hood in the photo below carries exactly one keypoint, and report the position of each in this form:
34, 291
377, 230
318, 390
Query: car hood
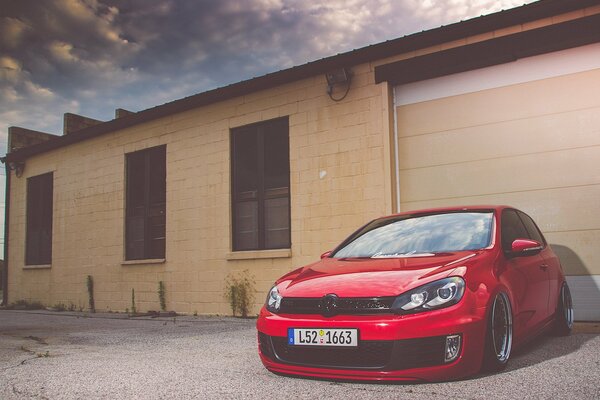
371, 277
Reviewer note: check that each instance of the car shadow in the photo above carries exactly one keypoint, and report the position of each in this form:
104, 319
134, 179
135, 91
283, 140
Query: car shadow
547, 347
570, 260
585, 288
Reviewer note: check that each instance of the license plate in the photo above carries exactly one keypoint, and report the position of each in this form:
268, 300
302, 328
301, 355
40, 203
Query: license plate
323, 337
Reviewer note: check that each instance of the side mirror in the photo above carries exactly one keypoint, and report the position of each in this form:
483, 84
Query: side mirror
525, 247
326, 254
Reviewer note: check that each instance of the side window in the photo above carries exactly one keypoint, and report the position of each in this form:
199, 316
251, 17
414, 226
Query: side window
532, 229
260, 166
512, 228
145, 204
38, 245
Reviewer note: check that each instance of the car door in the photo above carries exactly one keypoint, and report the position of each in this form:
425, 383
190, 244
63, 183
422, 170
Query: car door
528, 277
550, 260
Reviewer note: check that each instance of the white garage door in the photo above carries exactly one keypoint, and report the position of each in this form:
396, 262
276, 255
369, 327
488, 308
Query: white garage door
526, 134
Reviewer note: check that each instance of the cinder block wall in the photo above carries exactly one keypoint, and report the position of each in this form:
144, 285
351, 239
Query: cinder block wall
345, 141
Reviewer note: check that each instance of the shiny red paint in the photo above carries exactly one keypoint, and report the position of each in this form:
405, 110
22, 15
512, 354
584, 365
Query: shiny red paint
532, 283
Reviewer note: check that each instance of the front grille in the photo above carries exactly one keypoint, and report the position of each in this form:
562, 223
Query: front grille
385, 355
344, 305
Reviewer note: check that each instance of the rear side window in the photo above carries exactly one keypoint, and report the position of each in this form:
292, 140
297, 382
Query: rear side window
512, 228
532, 229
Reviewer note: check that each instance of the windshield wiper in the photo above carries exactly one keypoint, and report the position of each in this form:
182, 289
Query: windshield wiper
412, 253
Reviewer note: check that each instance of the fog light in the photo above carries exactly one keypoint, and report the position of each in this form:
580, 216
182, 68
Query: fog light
452, 348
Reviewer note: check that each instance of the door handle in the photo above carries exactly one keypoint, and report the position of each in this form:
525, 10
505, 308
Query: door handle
544, 267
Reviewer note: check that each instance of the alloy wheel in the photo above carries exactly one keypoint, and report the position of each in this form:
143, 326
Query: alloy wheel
502, 327
567, 305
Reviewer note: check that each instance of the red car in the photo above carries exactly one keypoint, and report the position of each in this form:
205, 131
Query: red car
424, 295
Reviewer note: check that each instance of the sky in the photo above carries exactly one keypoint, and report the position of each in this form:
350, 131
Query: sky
90, 57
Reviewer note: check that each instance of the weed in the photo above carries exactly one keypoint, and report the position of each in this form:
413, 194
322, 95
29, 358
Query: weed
90, 289
161, 296
25, 305
44, 355
25, 349
71, 307
239, 291
133, 309
59, 307
195, 313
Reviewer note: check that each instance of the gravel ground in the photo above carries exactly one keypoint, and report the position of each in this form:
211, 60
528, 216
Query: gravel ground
67, 356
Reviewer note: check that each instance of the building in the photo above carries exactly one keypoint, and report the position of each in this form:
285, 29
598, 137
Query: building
265, 175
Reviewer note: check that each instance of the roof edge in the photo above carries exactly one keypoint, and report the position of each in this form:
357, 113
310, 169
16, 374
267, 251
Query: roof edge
569, 34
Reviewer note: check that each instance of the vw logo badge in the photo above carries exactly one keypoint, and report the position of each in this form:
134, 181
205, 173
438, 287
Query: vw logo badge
329, 305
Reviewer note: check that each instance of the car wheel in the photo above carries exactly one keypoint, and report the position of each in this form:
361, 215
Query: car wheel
498, 343
563, 321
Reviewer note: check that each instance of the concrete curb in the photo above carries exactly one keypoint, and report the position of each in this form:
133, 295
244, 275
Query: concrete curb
145, 317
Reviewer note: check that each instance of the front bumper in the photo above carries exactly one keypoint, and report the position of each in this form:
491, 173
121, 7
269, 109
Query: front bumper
391, 347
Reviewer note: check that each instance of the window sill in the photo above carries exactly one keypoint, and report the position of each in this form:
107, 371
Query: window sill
145, 261
41, 266
259, 254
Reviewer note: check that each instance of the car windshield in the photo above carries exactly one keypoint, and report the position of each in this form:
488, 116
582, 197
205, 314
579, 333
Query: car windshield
413, 236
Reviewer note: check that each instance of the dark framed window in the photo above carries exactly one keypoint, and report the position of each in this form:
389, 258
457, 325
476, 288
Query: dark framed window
146, 200
39, 219
260, 165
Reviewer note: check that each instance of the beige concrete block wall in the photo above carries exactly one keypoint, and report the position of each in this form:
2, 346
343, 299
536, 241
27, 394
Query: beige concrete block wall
347, 140
534, 145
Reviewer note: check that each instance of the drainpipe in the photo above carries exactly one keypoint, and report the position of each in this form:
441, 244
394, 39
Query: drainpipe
6, 216
396, 148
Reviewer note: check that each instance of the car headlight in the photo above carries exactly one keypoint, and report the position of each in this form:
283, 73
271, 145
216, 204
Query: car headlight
273, 300
438, 294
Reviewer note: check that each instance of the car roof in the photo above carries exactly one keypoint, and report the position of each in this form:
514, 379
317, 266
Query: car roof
440, 210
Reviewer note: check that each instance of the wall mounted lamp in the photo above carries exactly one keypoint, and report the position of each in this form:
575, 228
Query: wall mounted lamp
17, 166
339, 77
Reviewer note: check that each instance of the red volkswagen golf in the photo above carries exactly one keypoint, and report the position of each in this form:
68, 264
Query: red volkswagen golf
424, 295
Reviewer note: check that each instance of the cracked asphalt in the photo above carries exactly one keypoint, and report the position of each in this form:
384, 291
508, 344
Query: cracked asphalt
46, 355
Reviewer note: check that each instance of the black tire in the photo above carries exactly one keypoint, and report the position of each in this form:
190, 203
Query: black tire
563, 319
498, 342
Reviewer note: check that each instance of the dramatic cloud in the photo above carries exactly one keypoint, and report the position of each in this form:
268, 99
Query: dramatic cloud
81, 55
92, 56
